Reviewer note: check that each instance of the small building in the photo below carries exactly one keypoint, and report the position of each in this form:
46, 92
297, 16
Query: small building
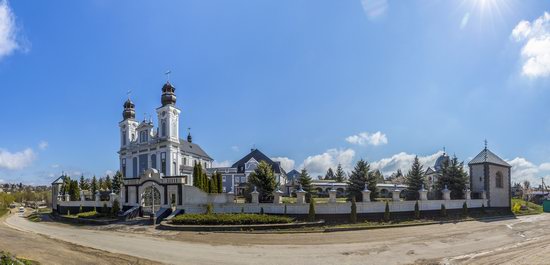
491, 174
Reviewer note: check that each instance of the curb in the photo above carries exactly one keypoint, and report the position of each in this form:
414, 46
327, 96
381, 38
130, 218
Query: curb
224, 228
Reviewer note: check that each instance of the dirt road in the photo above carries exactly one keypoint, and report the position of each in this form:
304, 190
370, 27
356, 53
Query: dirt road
515, 241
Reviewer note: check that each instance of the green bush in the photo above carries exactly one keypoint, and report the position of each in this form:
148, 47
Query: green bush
92, 214
116, 208
105, 209
443, 210
285, 208
80, 209
416, 210
209, 208
465, 209
483, 207
387, 213
311, 213
353, 215
262, 210
228, 219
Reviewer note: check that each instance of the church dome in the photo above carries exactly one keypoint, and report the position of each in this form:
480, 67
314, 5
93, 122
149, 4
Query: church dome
168, 96
129, 111
441, 160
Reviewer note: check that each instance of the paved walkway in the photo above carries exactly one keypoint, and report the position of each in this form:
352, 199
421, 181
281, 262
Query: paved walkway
467, 242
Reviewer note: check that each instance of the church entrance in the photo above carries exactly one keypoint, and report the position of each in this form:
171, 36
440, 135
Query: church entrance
151, 199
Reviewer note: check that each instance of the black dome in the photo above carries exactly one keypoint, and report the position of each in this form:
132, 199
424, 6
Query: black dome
129, 111
168, 96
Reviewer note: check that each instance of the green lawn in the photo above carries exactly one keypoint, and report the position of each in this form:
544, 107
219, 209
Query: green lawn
526, 208
9, 259
3, 211
317, 200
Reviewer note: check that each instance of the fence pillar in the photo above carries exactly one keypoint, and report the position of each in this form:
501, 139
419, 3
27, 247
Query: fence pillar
67, 197
332, 195
423, 194
255, 196
301, 196
277, 196
468, 194
366, 194
395, 194
446, 193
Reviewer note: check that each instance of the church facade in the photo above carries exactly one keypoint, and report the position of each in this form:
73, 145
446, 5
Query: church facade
144, 146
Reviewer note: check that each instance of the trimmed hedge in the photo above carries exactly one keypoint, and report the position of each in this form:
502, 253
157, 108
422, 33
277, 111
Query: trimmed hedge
90, 215
229, 219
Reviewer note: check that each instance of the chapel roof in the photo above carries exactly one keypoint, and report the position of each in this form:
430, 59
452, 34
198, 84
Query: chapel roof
193, 148
486, 156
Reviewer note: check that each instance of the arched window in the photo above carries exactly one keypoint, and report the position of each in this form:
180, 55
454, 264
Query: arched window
123, 137
499, 180
134, 167
163, 129
185, 161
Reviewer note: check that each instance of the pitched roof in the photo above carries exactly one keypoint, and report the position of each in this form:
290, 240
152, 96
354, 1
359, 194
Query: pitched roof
292, 174
258, 156
486, 156
193, 148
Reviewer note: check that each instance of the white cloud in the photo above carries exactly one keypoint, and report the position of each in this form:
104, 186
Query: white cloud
109, 172
55, 166
8, 40
522, 170
43, 145
536, 50
235, 148
365, 138
465, 20
225, 163
374, 8
18, 160
403, 161
286, 163
1, 181
319, 164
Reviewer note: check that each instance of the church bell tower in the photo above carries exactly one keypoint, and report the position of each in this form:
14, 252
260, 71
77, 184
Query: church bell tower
168, 114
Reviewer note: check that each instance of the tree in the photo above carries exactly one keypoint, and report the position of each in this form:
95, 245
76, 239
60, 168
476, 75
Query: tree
264, 180
378, 176
305, 180
443, 210
465, 209
311, 213
108, 183
387, 212
416, 210
220, 182
74, 190
454, 177
353, 216
94, 185
116, 208
330, 174
118, 181
212, 184
414, 180
100, 184
83, 183
360, 176
340, 175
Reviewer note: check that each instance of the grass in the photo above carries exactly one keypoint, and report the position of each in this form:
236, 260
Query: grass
3, 211
228, 219
9, 259
521, 207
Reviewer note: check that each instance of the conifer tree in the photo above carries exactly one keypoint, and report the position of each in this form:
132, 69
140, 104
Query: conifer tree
94, 185
220, 182
118, 180
83, 184
100, 184
311, 213
454, 177
340, 175
414, 180
378, 176
108, 183
305, 180
360, 176
264, 180
387, 212
330, 174
353, 216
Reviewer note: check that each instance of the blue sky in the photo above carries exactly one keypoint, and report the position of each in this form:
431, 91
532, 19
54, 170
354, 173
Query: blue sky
312, 83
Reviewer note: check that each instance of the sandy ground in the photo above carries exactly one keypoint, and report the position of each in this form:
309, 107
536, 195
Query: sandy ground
525, 240
53, 251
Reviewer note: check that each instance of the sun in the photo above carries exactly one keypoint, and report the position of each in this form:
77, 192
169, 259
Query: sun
488, 12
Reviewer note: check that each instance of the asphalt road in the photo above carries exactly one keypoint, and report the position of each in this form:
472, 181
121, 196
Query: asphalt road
525, 240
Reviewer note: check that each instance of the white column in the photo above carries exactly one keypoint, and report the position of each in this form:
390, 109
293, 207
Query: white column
277, 196
423, 194
484, 195
446, 193
468, 194
395, 194
82, 197
332, 196
366, 194
255, 196
67, 197
300, 196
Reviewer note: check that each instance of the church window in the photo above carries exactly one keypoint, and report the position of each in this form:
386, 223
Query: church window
223, 178
205, 165
163, 163
499, 180
175, 170
134, 167
123, 167
154, 161
123, 137
184, 161
163, 128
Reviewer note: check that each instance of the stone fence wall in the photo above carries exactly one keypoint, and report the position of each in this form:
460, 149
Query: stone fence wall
334, 208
